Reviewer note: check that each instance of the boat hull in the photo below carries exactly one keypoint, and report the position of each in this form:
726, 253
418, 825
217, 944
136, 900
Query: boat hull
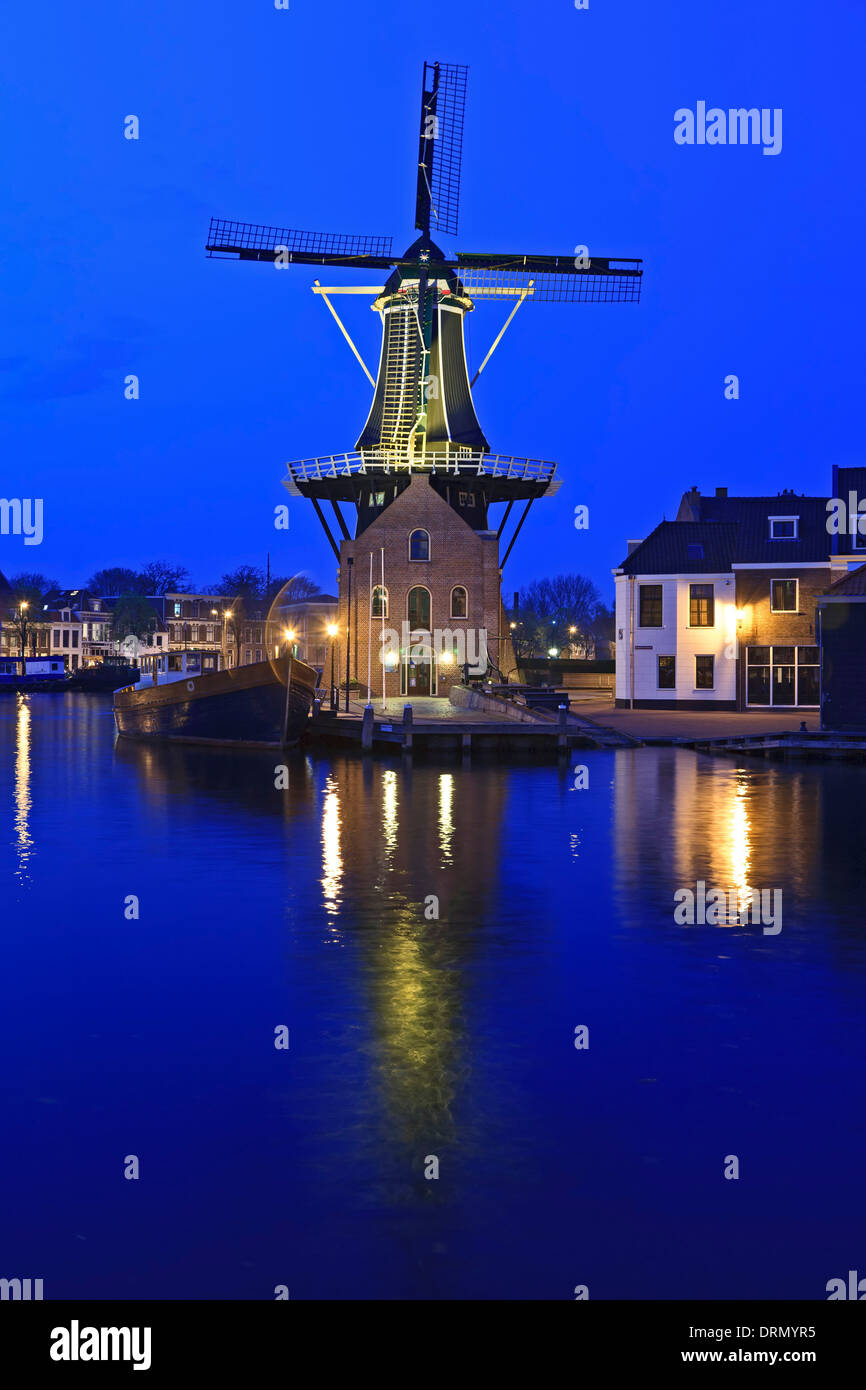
244, 706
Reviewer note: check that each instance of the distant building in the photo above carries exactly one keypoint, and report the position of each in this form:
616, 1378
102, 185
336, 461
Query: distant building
717, 609
194, 623
309, 619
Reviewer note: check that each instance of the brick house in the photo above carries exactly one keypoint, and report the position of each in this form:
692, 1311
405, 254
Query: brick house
441, 579
717, 609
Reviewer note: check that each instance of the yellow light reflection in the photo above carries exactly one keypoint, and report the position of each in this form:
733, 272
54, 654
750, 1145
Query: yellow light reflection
389, 810
332, 861
740, 846
446, 814
23, 800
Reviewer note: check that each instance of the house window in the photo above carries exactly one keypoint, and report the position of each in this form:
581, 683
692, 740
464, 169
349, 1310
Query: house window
459, 602
210, 632
159, 639
75, 639
419, 545
66, 637
704, 672
701, 606
380, 601
650, 605
177, 608
418, 608
55, 637
667, 672
784, 528
783, 596
377, 499
782, 676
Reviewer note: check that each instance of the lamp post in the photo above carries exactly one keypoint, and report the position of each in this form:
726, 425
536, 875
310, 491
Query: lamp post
332, 632
22, 631
350, 562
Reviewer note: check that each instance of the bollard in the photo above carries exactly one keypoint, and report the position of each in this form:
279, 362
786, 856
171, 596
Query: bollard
407, 726
561, 737
367, 728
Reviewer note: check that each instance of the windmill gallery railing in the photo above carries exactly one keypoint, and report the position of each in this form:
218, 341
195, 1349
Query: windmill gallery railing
374, 461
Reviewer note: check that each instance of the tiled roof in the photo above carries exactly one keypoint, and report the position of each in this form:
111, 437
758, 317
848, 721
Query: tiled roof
853, 585
751, 516
684, 547
733, 531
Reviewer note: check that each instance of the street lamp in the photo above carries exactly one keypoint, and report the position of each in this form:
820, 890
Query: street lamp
332, 632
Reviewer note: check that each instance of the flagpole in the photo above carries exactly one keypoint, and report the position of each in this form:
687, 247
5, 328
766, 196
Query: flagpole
370, 632
382, 611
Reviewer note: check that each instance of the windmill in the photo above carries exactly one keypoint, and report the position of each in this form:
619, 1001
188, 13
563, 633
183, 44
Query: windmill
422, 416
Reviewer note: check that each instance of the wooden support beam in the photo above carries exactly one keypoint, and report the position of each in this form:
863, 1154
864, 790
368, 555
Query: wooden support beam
339, 515
320, 514
504, 519
517, 532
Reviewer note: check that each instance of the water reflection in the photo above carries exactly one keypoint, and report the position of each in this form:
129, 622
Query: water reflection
740, 841
681, 818
23, 799
332, 863
446, 814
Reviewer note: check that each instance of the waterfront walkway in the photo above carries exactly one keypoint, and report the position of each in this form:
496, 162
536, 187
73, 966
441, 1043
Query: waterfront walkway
648, 724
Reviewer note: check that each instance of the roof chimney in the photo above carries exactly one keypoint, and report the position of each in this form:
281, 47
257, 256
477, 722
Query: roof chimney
690, 505
721, 492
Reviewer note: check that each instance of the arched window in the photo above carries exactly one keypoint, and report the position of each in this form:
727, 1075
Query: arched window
459, 602
380, 601
419, 545
418, 607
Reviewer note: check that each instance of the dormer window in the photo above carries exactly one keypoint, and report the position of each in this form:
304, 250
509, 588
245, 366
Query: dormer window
784, 528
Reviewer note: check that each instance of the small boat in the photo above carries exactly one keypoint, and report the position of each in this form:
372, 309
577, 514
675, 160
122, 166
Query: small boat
265, 705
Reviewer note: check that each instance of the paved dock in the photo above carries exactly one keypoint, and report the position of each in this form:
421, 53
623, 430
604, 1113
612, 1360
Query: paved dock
437, 725
681, 726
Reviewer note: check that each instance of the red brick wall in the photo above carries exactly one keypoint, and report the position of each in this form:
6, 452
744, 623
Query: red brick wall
458, 555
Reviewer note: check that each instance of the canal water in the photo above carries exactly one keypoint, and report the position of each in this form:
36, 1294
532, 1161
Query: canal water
419, 1040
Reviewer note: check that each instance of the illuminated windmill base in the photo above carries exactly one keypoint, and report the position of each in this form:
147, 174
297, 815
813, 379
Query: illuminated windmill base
422, 477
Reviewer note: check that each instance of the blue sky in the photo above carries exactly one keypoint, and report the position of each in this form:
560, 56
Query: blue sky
308, 118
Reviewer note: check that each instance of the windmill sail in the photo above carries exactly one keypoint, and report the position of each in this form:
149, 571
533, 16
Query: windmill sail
440, 147
573, 279
250, 242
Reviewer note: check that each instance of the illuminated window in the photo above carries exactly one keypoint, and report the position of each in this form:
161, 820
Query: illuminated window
380, 601
701, 606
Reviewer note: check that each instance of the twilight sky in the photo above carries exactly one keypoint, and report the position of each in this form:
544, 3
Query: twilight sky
308, 118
